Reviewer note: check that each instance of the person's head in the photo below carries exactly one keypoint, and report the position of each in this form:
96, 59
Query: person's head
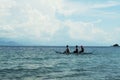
67, 46
76, 46
81, 46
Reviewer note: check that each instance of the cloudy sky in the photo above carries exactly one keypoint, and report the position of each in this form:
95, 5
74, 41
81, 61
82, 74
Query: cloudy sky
60, 22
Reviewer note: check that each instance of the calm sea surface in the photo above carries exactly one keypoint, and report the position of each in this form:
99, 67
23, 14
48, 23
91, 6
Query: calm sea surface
42, 63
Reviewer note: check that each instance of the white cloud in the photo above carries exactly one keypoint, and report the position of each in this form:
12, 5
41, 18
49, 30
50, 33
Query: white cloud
73, 8
106, 5
5, 5
7, 31
87, 31
40, 22
70, 8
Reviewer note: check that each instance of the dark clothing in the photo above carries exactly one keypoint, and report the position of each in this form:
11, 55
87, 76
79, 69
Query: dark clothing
76, 51
67, 50
82, 49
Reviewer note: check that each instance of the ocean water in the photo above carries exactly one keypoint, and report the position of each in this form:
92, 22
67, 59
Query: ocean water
43, 63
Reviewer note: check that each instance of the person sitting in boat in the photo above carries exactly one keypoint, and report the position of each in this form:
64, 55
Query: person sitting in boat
67, 50
82, 49
76, 50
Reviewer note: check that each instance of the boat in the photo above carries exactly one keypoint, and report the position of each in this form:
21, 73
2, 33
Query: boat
74, 53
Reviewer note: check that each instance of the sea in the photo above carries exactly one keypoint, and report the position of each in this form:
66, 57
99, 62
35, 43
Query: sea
43, 63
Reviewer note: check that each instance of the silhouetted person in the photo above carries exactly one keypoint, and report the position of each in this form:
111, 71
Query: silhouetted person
82, 49
67, 50
76, 50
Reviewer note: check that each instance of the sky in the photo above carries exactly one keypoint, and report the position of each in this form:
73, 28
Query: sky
60, 22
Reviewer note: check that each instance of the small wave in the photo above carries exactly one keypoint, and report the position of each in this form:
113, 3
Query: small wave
78, 70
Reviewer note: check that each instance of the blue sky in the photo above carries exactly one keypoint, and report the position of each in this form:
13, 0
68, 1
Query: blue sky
60, 22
